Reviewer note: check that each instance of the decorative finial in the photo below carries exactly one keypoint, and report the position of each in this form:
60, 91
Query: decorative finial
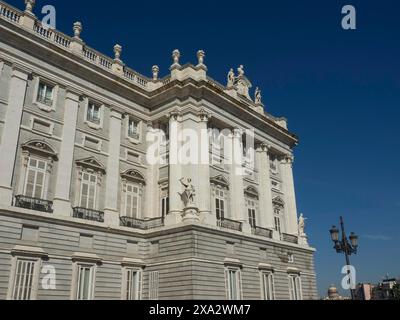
241, 71
155, 70
77, 30
29, 4
258, 96
231, 78
117, 52
176, 55
200, 56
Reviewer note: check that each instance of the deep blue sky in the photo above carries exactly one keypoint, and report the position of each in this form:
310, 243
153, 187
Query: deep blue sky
339, 89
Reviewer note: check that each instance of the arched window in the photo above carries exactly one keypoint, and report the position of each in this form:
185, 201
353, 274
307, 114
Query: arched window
132, 193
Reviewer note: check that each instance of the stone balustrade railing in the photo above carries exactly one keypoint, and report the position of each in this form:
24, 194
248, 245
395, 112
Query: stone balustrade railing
9, 13
14, 15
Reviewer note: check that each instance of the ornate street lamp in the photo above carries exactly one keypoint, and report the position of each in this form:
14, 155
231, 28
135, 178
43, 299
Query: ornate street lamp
347, 246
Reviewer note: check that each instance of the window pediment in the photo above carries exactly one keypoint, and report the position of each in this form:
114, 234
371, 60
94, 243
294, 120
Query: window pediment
91, 163
220, 180
278, 201
251, 191
40, 148
134, 175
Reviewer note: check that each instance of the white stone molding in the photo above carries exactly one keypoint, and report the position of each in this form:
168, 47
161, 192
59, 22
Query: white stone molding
10, 134
102, 107
62, 201
289, 194
266, 208
113, 165
93, 166
40, 105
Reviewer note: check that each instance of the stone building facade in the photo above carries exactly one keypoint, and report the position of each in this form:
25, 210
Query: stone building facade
86, 214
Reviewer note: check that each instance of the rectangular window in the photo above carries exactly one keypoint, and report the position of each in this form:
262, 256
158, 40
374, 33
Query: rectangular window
267, 280
133, 284
88, 191
85, 288
45, 94
252, 217
24, 279
153, 285
277, 220
35, 179
295, 287
132, 201
93, 113
133, 129
233, 279
164, 206
220, 204
251, 209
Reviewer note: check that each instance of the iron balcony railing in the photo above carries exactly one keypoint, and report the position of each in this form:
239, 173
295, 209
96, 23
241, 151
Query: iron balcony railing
45, 101
88, 214
93, 119
290, 238
142, 224
229, 224
34, 204
262, 232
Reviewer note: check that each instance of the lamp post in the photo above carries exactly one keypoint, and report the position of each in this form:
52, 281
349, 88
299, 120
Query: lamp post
347, 246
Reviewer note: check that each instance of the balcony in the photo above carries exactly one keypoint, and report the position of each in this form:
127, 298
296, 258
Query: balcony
262, 232
88, 214
229, 224
34, 204
290, 238
142, 224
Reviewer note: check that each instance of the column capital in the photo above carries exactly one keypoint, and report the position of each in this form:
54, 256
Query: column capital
21, 72
263, 147
237, 133
203, 115
174, 114
114, 113
72, 94
287, 159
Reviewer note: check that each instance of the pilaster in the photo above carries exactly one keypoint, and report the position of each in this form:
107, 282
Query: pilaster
237, 186
265, 193
62, 201
289, 194
113, 170
9, 141
175, 170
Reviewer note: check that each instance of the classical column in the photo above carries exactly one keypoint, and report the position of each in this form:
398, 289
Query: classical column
9, 140
113, 171
62, 201
266, 214
152, 199
175, 170
289, 194
204, 171
236, 185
